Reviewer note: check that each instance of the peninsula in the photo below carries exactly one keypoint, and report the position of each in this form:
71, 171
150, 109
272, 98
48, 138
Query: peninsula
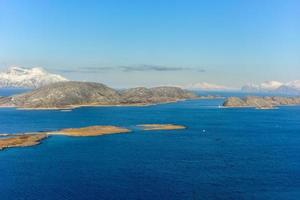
72, 94
260, 102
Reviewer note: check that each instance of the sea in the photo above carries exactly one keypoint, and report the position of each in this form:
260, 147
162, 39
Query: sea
225, 153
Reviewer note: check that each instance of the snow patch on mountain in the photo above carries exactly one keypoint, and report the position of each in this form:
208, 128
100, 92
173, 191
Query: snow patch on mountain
28, 78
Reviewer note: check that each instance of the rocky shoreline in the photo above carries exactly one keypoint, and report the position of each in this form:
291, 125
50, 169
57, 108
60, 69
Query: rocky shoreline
71, 107
260, 102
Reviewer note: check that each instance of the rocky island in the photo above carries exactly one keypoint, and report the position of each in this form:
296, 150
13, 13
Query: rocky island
150, 127
71, 94
22, 140
260, 102
31, 139
90, 131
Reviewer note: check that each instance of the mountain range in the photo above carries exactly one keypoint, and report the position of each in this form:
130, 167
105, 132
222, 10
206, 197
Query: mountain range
17, 77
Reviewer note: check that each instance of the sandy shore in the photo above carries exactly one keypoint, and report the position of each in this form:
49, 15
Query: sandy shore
90, 131
149, 127
24, 140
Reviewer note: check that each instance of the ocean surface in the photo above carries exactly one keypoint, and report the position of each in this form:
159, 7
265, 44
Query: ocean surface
223, 154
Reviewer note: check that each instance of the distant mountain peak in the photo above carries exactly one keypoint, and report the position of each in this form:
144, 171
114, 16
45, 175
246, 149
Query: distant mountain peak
271, 85
28, 77
207, 86
292, 87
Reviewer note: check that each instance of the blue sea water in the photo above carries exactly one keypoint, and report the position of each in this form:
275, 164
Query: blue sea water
223, 154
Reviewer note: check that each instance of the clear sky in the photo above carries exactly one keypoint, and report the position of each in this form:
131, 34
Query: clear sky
152, 42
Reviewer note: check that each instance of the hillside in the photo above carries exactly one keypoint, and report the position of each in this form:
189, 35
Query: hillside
260, 102
74, 94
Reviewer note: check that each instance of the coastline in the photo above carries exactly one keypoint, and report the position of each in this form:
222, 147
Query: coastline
252, 107
257, 108
71, 107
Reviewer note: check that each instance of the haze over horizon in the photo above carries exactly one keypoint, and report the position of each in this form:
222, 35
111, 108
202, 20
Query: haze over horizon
154, 43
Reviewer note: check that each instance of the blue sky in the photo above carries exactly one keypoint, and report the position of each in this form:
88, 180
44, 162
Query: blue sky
127, 43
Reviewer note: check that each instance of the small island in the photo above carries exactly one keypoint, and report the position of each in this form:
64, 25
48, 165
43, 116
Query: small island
31, 139
260, 102
90, 131
22, 140
150, 127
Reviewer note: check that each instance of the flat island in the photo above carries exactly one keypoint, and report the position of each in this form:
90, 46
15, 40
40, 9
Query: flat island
23, 140
31, 139
150, 127
90, 131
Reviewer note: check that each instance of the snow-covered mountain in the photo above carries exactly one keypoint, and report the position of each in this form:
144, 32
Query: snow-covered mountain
292, 87
28, 78
207, 86
294, 84
270, 85
263, 87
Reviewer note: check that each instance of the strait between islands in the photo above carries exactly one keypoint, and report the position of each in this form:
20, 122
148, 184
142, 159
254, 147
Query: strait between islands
31, 139
73, 94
